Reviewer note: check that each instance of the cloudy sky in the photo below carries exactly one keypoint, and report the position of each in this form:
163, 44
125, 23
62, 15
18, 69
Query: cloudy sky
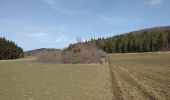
56, 23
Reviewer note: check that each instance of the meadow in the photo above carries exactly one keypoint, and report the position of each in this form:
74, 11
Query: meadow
24, 80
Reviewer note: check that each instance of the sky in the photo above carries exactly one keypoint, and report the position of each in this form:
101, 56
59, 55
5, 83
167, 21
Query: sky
36, 24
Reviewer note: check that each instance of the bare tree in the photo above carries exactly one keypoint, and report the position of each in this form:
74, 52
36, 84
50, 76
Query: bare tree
79, 39
88, 55
48, 57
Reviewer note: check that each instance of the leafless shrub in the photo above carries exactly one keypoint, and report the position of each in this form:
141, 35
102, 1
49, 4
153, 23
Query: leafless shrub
48, 57
80, 54
86, 55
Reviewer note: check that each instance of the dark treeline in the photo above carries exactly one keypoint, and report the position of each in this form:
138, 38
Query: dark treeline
9, 50
139, 41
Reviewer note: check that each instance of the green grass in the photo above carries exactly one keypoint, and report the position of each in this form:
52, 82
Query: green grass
23, 80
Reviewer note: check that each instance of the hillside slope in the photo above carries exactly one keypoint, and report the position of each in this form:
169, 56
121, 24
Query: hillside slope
36, 51
146, 40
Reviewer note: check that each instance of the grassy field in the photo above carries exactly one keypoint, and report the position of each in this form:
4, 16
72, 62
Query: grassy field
23, 80
141, 76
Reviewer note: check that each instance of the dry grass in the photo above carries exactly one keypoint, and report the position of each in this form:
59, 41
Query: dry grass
141, 76
22, 80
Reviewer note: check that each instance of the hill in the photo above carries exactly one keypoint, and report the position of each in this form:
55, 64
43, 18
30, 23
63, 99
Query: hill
144, 40
41, 50
154, 29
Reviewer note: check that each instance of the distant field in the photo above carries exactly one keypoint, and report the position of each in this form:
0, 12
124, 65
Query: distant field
141, 76
23, 80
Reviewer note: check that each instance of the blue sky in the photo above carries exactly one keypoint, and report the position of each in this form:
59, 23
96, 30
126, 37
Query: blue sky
56, 23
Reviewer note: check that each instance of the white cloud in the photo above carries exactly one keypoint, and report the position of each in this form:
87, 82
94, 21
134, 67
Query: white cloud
62, 39
105, 18
51, 3
38, 34
155, 2
34, 35
54, 4
31, 28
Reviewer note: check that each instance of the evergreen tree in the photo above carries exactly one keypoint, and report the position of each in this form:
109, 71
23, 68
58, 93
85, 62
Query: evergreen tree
9, 50
139, 41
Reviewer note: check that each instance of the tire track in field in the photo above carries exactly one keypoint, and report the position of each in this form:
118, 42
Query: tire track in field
152, 75
161, 89
131, 90
143, 90
128, 84
117, 93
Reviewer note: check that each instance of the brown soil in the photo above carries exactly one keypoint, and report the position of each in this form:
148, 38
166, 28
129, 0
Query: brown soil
144, 76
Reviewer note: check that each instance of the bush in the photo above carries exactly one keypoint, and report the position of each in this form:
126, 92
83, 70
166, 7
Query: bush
91, 55
48, 57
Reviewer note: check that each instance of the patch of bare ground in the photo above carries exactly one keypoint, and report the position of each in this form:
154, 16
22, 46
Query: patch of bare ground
140, 76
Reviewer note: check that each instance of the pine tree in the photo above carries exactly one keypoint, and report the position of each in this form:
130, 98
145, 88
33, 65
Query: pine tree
9, 50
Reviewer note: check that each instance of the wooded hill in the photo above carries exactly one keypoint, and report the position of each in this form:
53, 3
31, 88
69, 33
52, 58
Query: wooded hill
41, 50
9, 50
146, 40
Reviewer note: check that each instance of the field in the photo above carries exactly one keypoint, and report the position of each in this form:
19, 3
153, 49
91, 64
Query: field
138, 76
141, 76
23, 80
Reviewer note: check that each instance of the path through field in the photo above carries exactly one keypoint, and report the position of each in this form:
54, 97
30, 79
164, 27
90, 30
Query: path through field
143, 76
